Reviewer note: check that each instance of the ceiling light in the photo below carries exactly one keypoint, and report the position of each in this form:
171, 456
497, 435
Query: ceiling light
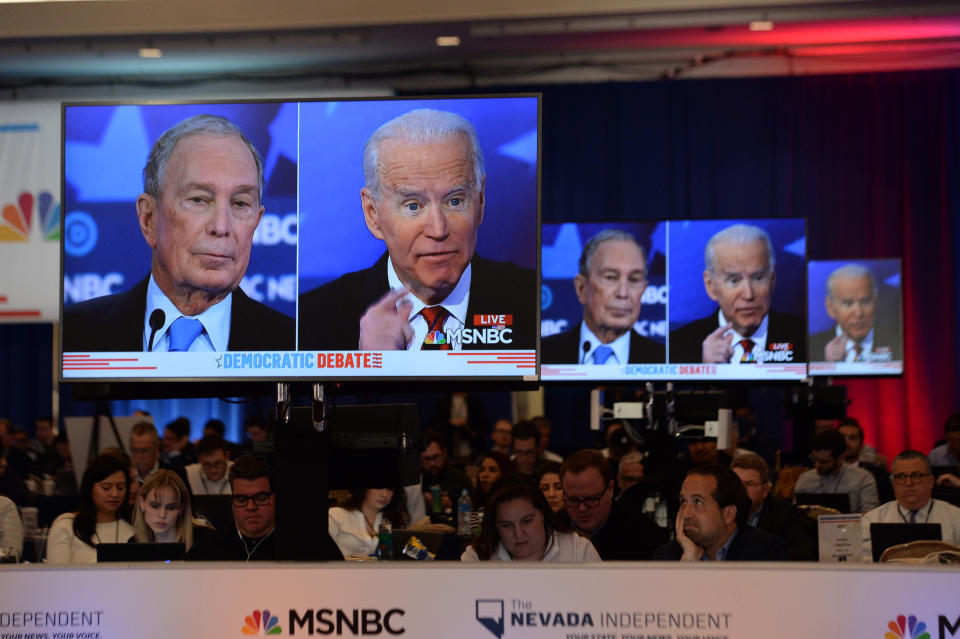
761, 25
150, 52
448, 41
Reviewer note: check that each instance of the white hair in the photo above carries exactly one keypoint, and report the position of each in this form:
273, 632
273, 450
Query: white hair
420, 125
739, 235
851, 272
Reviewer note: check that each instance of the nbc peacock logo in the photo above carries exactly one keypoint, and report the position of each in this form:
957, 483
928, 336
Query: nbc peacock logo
261, 623
18, 217
906, 627
435, 337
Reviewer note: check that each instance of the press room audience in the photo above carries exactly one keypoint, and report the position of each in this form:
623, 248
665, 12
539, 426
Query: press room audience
913, 504
948, 453
519, 525
831, 475
548, 478
492, 465
773, 515
163, 514
355, 525
617, 531
11, 530
436, 471
712, 522
208, 476
526, 447
103, 492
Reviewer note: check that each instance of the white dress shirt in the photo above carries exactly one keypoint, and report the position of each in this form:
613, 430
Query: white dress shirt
455, 303
940, 512
759, 339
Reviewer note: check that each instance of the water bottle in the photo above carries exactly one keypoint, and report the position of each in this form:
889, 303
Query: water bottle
464, 516
385, 540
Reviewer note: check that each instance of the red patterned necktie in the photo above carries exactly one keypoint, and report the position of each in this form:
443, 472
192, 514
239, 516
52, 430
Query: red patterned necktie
435, 339
748, 357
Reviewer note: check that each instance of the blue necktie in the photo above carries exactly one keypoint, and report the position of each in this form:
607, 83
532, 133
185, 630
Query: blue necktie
183, 332
602, 354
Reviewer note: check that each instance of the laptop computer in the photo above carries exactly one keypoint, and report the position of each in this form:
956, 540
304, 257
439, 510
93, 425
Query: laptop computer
840, 501
140, 552
882, 536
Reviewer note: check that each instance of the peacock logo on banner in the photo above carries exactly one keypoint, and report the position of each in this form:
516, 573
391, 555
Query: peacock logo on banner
906, 627
261, 623
17, 218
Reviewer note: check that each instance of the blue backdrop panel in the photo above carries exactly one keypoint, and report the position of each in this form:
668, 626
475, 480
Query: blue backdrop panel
106, 147
688, 239
335, 239
889, 299
560, 310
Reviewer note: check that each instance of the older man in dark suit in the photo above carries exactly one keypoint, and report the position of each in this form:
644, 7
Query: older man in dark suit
424, 196
203, 187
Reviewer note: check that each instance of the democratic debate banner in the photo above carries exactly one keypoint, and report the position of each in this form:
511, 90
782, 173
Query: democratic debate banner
312, 232
488, 601
29, 211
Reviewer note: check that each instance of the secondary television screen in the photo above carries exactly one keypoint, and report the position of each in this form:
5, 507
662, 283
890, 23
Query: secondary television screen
672, 300
292, 239
855, 319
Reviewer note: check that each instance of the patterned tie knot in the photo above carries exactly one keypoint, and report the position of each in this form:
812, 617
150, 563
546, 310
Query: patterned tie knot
183, 332
602, 354
435, 340
748, 357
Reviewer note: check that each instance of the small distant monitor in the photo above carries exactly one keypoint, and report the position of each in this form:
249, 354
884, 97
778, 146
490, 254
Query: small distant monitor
140, 552
839, 501
882, 536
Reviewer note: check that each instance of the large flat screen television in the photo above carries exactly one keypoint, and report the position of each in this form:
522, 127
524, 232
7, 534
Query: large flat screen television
674, 300
855, 317
301, 240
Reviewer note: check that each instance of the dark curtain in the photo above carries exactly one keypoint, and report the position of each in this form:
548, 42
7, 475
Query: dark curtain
871, 160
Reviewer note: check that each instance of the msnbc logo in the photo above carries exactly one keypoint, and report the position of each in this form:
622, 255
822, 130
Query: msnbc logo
17, 218
261, 623
435, 337
906, 628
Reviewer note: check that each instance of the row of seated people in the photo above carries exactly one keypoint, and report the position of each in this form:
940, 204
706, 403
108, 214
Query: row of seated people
580, 493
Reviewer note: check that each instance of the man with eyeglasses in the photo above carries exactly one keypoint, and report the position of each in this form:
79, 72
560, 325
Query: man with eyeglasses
209, 475
526, 447
254, 537
772, 515
436, 472
617, 531
145, 451
914, 504
831, 476
254, 514
610, 285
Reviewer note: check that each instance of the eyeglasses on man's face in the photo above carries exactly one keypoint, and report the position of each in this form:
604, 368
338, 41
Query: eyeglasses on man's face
260, 499
588, 502
909, 478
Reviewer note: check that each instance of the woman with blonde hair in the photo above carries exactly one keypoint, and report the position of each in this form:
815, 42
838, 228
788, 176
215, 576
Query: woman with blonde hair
162, 513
